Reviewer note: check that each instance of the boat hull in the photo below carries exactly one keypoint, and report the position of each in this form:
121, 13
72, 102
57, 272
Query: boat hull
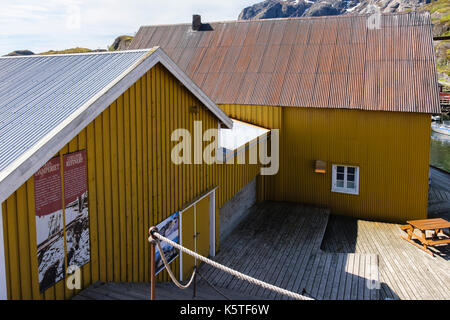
441, 129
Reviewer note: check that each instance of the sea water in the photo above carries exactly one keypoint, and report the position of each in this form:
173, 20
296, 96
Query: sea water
440, 151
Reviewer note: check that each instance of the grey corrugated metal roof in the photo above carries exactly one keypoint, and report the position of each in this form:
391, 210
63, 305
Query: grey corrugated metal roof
45, 101
37, 93
321, 62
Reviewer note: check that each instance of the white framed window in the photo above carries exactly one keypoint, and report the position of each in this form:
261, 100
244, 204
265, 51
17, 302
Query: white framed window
345, 179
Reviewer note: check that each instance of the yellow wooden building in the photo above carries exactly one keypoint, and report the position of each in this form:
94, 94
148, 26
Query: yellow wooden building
86, 140
114, 112
352, 100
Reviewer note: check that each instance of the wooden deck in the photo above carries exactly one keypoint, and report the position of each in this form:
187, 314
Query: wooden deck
280, 243
305, 250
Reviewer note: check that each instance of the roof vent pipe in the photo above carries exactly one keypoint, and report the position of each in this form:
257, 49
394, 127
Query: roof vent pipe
196, 22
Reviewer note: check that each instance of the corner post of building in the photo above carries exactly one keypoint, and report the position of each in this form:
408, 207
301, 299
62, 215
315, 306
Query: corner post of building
3, 289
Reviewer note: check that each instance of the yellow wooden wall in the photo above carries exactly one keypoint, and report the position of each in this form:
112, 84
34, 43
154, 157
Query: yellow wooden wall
391, 149
132, 185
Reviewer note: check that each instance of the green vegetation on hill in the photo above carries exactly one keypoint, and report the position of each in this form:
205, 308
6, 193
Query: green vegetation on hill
120, 43
67, 51
440, 17
443, 56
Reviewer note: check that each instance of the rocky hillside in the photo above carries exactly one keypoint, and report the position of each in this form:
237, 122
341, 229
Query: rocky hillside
19, 53
439, 9
440, 17
308, 8
121, 43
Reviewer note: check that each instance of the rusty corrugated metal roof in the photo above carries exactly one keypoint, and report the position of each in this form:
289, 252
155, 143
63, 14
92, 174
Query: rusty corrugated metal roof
326, 62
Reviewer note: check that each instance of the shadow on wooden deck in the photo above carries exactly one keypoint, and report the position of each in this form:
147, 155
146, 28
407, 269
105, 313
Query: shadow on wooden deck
280, 243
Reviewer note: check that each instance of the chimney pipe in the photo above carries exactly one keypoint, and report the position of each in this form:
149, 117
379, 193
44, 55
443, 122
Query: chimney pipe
196, 22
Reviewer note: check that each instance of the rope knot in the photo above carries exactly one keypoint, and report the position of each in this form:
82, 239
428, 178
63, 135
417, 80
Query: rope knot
151, 232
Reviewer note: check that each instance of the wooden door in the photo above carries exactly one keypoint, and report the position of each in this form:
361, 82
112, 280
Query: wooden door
188, 240
202, 226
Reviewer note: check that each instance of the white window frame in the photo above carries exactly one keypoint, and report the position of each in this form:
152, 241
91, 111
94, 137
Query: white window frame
335, 188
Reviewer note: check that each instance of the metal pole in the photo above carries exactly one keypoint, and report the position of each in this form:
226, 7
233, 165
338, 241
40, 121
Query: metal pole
195, 280
152, 261
152, 270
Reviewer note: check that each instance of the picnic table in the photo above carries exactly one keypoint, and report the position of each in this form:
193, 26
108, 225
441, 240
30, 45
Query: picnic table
437, 227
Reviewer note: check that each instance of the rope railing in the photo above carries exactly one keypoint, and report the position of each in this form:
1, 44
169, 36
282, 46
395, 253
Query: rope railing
169, 270
155, 236
212, 286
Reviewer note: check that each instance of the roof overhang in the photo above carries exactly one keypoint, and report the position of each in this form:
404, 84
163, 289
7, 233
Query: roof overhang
240, 138
22, 168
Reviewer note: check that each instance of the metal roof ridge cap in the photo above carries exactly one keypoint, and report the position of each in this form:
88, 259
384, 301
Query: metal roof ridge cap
37, 55
22, 159
190, 84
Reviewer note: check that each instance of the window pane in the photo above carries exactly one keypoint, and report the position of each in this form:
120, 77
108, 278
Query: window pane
350, 177
351, 170
340, 169
350, 185
340, 176
340, 184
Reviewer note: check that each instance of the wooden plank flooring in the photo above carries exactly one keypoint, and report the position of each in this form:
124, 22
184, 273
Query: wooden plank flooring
163, 291
280, 243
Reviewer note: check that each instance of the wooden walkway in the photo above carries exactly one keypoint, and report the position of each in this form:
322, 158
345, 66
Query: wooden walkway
163, 291
280, 243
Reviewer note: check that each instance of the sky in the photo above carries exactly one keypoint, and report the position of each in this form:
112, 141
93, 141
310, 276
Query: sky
61, 24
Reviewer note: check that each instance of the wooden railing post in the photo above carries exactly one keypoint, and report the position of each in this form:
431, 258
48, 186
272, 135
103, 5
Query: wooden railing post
152, 262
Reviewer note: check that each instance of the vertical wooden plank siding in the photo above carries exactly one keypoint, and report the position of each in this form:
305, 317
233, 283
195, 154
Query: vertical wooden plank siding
391, 149
132, 185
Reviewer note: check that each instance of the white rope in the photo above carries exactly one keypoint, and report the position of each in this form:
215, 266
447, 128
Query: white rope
172, 276
229, 270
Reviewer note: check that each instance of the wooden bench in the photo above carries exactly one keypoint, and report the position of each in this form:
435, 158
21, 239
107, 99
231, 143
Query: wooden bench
437, 226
